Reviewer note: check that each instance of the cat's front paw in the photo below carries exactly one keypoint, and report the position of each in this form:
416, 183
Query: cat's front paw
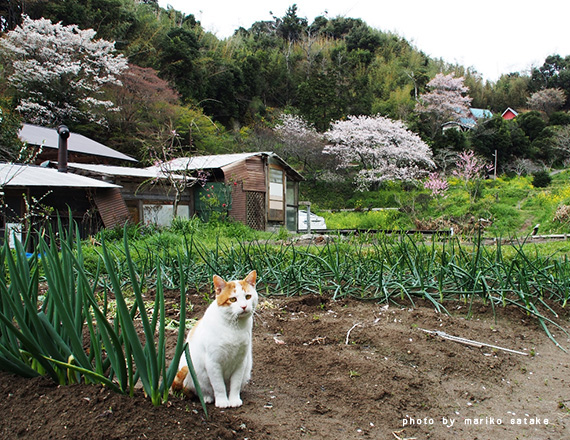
235, 402
222, 402
232, 402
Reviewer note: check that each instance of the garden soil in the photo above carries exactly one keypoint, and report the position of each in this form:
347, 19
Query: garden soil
345, 369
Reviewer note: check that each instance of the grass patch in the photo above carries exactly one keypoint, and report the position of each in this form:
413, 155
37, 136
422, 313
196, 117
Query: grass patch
391, 219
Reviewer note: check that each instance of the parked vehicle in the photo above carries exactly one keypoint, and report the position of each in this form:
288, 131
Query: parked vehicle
317, 222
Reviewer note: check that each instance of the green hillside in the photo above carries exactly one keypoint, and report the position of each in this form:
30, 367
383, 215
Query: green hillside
506, 207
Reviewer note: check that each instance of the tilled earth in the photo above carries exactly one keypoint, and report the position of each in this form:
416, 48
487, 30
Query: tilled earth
343, 369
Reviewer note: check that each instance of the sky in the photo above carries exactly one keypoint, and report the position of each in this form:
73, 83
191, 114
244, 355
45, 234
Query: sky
494, 37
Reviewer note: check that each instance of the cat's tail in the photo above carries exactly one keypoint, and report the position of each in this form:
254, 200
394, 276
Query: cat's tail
178, 383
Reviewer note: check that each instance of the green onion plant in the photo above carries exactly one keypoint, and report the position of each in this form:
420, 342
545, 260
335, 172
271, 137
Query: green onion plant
47, 333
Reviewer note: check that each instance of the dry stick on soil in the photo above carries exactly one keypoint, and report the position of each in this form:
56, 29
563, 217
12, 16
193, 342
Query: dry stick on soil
469, 341
348, 333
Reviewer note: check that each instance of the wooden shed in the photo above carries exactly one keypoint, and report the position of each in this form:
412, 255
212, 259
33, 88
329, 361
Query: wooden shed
34, 196
97, 193
148, 194
264, 188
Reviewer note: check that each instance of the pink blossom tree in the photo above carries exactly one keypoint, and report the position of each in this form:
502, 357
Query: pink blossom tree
471, 170
437, 185
447, 100
60, 71
380, 148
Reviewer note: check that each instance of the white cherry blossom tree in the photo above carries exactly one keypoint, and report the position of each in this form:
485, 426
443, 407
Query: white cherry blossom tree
379, 148
547, 100
59, 71
447, 100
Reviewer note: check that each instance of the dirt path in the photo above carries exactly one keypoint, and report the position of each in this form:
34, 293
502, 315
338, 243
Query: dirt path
338, 370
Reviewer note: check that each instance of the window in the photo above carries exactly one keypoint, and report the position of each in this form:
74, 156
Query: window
276, 194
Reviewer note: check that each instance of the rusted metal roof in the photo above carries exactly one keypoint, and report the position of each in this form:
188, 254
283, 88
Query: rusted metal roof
48, 138
20, 175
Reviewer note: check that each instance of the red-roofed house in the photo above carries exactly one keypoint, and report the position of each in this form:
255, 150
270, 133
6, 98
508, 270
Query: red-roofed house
509, 113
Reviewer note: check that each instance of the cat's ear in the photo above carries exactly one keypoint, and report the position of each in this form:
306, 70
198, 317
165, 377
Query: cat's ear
219, 284
251, 277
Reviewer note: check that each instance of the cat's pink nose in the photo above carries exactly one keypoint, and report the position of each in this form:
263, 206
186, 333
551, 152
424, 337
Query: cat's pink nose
244, 307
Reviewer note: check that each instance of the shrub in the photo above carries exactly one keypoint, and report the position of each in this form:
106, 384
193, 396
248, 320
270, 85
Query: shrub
541, 179
182, 225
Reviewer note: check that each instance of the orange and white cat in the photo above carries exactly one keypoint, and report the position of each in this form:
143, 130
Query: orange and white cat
220, 344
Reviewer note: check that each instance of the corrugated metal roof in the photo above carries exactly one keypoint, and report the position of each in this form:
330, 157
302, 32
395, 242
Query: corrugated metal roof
208, 162
217, 161
468, 122
77, 143
18, 175
116, 171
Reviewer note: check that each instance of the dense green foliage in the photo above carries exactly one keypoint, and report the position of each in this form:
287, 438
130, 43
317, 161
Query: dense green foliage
324, 70
190, 90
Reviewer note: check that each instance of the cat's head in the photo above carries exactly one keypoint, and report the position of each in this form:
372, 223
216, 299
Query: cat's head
237, 298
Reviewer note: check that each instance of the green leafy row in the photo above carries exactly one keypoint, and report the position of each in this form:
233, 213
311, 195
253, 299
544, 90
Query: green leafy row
45, 332
387, 268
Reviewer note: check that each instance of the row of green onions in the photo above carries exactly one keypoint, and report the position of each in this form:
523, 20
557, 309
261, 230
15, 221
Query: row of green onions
45, 333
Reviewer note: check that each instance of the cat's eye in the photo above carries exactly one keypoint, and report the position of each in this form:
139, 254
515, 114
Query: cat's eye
233, 299
248, 297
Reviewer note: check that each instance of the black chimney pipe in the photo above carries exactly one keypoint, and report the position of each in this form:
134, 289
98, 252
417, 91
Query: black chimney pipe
63, 132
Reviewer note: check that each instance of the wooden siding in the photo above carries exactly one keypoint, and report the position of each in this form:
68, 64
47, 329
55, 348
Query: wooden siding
239, 208
112, 207
256, 174
248, 175
236, 172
